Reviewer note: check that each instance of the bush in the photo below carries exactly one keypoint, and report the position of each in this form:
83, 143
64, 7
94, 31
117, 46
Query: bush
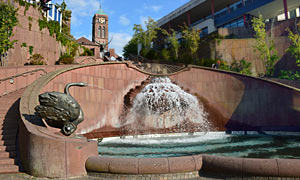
37, 59
289, 75
65, 59
241, 66
87, 52
165, 54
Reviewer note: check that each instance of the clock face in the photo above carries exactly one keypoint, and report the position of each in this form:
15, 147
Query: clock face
102, 20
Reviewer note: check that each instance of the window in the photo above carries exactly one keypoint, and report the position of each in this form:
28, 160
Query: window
99, 31
55, 14
59, 14
204, 32
103, 32
50, 10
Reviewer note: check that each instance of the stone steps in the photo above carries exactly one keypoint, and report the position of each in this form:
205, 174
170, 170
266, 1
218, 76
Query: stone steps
8, 168
9, 119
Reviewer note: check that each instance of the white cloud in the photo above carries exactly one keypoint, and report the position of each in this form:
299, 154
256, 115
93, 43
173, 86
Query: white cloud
155, 8
124, 20
82, 8
119, 41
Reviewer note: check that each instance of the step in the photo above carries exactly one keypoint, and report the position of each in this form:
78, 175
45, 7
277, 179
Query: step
8, 137
8, 168
8, 148
7, 161
11, 126
8, 131
7, 142
4, 154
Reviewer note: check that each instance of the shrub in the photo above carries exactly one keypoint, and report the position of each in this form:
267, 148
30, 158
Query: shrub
87, 52
65, 59
37, 59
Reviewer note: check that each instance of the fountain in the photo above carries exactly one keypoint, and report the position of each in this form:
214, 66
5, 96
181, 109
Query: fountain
162, 105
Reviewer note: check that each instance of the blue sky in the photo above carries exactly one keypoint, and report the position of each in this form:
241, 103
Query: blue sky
123, 14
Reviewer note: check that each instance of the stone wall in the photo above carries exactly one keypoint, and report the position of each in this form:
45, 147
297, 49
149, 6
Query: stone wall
238, 49
17, 82
41, 41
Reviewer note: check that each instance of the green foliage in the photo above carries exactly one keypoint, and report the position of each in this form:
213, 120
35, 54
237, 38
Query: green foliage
289, 75
130, 47
165, 54
66, 17
175, 45
294, 49
192, 38
8, 20
30, 18
266, 49
29, 26
146, 37
241, 66
206, 62
37, 59
23, 45
66, 59
87, 52
30, 50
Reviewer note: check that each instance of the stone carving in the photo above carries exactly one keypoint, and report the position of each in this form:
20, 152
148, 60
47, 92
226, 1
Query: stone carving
61, 110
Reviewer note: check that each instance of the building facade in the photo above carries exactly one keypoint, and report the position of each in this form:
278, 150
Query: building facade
210, 15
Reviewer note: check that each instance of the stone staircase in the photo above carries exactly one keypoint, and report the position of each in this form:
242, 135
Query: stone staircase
9, 119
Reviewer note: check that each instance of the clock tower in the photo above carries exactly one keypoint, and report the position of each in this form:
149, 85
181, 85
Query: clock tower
100, 28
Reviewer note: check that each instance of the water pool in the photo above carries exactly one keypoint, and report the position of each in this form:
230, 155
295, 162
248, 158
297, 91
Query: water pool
252, 145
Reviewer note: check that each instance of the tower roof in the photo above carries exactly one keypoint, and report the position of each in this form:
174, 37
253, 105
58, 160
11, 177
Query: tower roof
100, 11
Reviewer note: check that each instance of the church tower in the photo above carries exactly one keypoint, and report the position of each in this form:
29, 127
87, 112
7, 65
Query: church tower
100, 28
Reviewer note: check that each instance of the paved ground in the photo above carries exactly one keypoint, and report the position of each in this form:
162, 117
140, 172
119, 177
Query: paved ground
23, 176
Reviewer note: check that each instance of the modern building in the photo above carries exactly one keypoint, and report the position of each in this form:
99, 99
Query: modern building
209, 15
53, 13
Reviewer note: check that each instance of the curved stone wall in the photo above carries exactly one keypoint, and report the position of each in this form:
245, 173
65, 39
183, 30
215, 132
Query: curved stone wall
243, 102
237, 102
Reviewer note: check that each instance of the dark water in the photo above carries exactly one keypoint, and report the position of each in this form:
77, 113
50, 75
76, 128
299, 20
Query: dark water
213, 143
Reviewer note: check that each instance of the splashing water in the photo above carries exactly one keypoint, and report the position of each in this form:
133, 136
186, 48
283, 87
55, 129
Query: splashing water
162, 104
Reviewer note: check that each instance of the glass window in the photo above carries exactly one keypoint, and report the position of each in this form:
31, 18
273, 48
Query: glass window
293, 14
55, 14
59, 14
99, 32
103, 32
50, 10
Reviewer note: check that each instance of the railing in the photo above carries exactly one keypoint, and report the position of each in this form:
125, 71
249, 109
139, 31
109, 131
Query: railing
24, 74
250, 5
14, 83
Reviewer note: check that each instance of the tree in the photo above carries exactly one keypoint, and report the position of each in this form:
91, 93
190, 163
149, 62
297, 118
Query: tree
130, 47
294, 49
66, 17
146, 37
8, 20
266, 48
172, 38
191, 37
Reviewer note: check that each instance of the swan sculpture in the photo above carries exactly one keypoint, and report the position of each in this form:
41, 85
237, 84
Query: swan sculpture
61, 110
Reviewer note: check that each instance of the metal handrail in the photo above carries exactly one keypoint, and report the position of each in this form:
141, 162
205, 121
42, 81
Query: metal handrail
24, 74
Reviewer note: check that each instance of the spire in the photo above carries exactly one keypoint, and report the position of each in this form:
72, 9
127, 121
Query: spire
100, 11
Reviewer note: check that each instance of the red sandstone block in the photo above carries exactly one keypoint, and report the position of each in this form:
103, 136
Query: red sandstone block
288, 167
220, 164
7, 161
182, 164
7, 154
198, 161
153, 166
124, 165
4, 168
118, 74
260, 167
